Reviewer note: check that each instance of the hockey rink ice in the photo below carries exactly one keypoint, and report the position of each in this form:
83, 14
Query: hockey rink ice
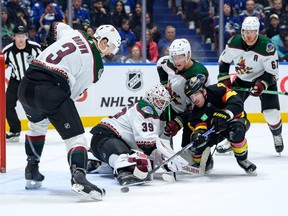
225, 191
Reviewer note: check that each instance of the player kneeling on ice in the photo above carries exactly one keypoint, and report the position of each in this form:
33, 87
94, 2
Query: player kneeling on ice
57, 77
219, 107
127, 140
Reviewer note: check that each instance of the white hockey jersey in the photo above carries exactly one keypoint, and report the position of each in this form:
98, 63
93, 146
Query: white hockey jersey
74, 56
175, 80
251, 62
138, 125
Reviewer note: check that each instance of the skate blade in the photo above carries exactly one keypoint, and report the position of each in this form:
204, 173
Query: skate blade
94, 195
33, 185
251, 173
13, 139
224, 153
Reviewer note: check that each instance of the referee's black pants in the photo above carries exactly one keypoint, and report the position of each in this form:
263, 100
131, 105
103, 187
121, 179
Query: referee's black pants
11, 102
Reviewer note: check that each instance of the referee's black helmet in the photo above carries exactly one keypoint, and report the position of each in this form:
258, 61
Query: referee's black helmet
20, 29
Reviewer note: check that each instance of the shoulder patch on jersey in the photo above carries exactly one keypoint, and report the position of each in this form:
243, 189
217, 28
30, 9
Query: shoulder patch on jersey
147, 109
270, 47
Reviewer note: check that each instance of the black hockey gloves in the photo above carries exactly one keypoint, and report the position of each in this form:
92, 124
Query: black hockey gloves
200, 142
220, 120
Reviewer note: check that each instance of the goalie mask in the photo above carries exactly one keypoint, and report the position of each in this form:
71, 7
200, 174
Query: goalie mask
111, 34
178, 48
158, 97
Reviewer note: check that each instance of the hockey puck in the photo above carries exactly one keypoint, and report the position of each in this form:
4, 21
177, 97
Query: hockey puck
124, 189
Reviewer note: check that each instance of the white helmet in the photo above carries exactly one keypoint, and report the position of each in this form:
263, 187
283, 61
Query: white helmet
158, 97
111, 33
180, 46
250, 23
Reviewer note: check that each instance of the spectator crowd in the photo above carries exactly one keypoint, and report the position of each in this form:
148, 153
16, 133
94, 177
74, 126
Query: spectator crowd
201, 15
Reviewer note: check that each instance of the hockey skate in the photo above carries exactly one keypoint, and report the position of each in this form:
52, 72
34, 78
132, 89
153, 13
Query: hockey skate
224, 147
82, 186
278, 143
32, 175
12, 137
248, 166
126, 178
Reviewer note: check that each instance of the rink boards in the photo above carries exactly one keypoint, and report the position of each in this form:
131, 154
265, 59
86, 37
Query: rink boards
124, 84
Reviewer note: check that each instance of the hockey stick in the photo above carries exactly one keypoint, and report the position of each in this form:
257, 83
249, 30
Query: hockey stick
146, 176
264, 91
169, 119
171, 140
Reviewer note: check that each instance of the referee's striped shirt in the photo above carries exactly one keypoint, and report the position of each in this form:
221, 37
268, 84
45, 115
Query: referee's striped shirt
20, 59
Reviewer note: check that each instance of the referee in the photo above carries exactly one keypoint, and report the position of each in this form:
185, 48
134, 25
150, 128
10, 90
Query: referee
18, 55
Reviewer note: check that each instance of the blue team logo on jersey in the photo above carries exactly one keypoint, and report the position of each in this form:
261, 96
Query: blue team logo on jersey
270, 47
147, 109
134, 81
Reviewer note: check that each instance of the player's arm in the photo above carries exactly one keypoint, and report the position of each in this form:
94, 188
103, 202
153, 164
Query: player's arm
163, 76
225, 61
270, 76
56, 31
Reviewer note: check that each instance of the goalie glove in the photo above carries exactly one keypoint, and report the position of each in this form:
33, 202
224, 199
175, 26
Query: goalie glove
137, 163
220, 120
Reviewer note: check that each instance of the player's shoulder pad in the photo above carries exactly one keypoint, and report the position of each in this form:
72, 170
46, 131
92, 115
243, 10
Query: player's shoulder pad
235, 41
146, 109
163, 60
220, 85
265, 46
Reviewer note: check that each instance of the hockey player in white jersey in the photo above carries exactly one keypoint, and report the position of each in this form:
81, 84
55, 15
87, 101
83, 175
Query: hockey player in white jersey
58, 76
174, 70
126, 139
256, 63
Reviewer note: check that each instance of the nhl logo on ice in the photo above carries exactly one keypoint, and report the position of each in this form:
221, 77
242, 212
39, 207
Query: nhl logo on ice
134, 81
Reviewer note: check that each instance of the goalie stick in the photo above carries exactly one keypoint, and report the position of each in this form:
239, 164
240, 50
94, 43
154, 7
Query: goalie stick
146, 176
195, 171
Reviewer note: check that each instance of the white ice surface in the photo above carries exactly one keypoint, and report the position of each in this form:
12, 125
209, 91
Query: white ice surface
226, 191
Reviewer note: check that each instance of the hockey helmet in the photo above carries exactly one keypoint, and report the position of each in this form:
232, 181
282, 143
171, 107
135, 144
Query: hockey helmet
250, 23
111, 34
179, 47
193, 85
158, 97
20, 29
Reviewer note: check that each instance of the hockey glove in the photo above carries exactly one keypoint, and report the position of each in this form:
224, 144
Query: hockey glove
259, 86
225, 79
199, 142
220, 120
172, 127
